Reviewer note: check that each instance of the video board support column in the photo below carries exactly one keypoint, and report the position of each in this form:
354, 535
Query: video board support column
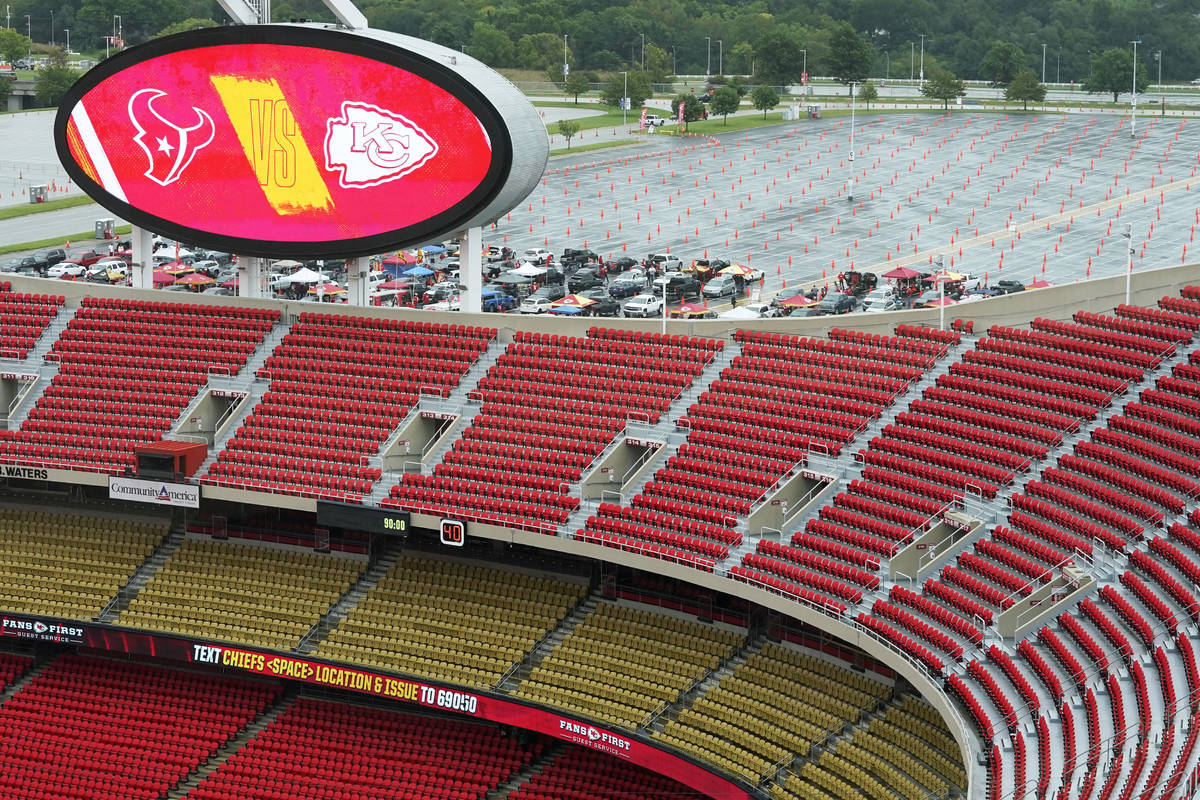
250, 281
143, 258
470, 269
356, 278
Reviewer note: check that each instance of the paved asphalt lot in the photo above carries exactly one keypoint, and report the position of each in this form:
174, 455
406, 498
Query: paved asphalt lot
1020, 196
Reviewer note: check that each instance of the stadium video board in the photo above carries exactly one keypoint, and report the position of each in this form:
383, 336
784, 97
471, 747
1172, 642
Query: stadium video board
275, 140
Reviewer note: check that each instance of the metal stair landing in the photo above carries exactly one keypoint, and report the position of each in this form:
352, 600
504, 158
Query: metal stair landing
142, 576
519, 672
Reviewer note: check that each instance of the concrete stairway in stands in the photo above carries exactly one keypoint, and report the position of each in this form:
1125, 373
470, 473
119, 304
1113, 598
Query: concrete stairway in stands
551, 640
685, 700
378, 567
25, 679
142, 576
232, 745
522, 776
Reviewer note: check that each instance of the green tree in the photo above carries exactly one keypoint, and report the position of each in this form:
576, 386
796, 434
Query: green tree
52, 83
1002, 63
6, 84
639, 90
738, 85
491, 45
1025, 87
778, 57
764, 98
658, 63
692, 107
193, 24
567, 128
867, 92
943, 85
725, 101
850, 55
1112, 71
13, 45
740, 58
540, 51
577, 83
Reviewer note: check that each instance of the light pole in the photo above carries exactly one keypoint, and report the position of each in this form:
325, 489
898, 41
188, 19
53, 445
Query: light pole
708, 56
673, 72
625, 102
566, 69
643, 50
1129, 268
52, 27
1043, 62
68, 32
721, 56
1133, 99
7, 16
923, 57
1158, 60
887, 66
29, 33
850, 184
804, 68
912, 58
1058, 66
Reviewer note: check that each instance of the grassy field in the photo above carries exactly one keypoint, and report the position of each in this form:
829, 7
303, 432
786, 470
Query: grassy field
11, 212
57, 241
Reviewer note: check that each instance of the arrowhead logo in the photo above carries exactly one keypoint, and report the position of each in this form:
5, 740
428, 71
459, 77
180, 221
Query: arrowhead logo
169, 147
40, 627
369, 145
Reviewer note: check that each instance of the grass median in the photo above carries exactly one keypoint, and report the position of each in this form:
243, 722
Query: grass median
59, 241
11, 212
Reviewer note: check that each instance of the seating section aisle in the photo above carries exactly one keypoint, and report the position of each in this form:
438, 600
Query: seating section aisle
907, 753
579, 774
11, 668
92, 728
450, 621
233, 592
23, 320
322, 749
858, 376
551, 404
63, 565
775, 706
339, 386
127, 369
621, 664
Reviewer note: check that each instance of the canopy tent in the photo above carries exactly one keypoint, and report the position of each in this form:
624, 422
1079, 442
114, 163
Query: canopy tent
945, 277
688, 309
530, 270
195, 279
163, 278
739, 269
799, 301
435, 249
941, 301
285, 263
394, 285
1038, 283
741, 312
175, 268
302, 275
576, 300
902, 273
418, 272
566, 310
328, 288
512, 278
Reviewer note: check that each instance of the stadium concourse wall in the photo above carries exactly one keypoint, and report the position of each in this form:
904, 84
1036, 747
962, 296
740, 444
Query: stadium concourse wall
1058, 302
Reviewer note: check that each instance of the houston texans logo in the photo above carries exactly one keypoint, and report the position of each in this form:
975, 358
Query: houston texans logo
170, 147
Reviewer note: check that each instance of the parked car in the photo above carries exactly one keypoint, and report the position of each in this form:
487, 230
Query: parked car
621, 264
881, 298
537, 255
663, 263
654, 120
48, 258
67, 269
495, 300
442, 291
677, 286
643, 305
604, 306
551, 292
535, 305
627, 286
106, 269
584, 279
1008, 286
21, 265
720, 286
837, 303
573, 256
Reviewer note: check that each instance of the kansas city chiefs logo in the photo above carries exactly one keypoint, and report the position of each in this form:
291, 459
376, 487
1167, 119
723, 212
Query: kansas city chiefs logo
40, 627
370, 146
170, 147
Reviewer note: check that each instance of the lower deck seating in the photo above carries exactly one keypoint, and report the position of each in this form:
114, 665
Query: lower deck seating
776, 706
93, 728
450, 621
23, 320
322, 749
579, 774
233, 592
621, 665
66, 565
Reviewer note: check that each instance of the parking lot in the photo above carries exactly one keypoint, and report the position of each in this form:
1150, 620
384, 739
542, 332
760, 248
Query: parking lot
995, 196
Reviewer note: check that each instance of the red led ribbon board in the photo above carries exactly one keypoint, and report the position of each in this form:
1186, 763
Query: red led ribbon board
271, 139
427, 694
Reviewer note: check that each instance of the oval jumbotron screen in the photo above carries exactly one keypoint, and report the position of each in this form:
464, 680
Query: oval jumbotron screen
276, 140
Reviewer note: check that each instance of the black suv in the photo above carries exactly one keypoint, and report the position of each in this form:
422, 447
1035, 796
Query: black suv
604, 306
50, 257
550, 292
838, 303
1009, 286
22, 265
571, 256
678, 286
584, 279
